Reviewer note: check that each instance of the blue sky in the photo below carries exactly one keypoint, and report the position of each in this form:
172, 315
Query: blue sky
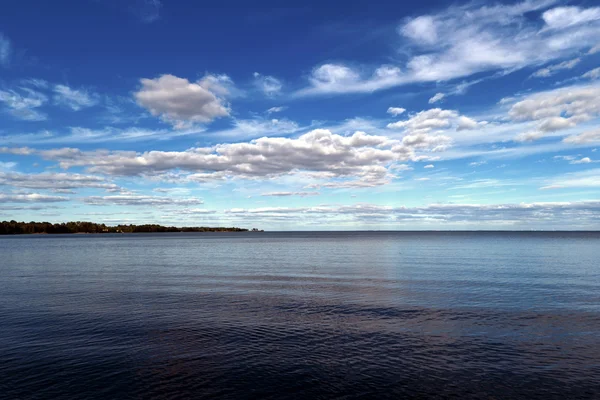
441, 115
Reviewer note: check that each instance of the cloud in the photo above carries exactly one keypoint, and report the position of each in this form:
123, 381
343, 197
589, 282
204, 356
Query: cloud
395, 111
592, 74
269, 85
30, 198
55, 181
477, 163
23, 104
525, 215
553, 69
466, 123
583, 179
5, 50
558, 109
421, 30
147, 10
584, 138
340, 78
251, 128
428, 166
584, 160
362, 157
75, 99
139, 200
276, 109
464, 40
288, 194
437, 97
181, 102
565, 17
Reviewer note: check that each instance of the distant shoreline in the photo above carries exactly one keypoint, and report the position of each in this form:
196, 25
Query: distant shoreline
84, 227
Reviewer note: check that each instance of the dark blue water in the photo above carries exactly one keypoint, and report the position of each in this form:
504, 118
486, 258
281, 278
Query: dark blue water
301, 315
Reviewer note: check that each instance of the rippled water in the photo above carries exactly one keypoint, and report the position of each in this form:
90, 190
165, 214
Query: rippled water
301, 315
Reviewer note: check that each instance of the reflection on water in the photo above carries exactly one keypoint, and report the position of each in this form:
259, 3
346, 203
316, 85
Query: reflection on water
301, 315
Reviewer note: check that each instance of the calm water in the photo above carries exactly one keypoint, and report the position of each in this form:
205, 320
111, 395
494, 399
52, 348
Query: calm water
301, 315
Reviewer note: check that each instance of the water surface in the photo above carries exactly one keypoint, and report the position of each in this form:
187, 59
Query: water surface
301, 315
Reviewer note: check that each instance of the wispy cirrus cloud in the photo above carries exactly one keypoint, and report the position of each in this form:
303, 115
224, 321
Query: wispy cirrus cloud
5, 51
24, 103
469, 39
74, 99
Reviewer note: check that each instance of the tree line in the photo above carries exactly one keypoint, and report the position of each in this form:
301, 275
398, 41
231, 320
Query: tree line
18, 228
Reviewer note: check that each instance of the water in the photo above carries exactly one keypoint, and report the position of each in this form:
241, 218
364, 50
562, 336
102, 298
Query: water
301, 315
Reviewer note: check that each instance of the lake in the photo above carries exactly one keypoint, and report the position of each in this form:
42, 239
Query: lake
328, 315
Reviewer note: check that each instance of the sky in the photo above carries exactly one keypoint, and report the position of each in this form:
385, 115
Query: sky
372, 116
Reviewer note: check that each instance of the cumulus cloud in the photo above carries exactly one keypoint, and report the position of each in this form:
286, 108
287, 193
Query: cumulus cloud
30, 198
75, 99
466, 123
5, 50
181, 102
140, 200
429, 166
24, 104
359, 156
395, 111
558, 109
468, 39
267, 84
437, 97
553, 69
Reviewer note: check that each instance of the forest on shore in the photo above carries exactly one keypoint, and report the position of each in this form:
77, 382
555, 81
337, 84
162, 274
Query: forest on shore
18, 228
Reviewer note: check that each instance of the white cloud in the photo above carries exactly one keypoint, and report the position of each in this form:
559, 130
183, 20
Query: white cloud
421, 29
468, 39
429, 166
269, 85
5, 50
362, 158
140, 200
55, 181
288, 194
583, 179
251, 128
584, 160
557, 109
466, 123
276, 109
477, 163
524, 215
339, 78
565, 17
75, 99
553, 69
181, 102
30, 198
395, 111
592, 74
437, 97
24, 105
584, 137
